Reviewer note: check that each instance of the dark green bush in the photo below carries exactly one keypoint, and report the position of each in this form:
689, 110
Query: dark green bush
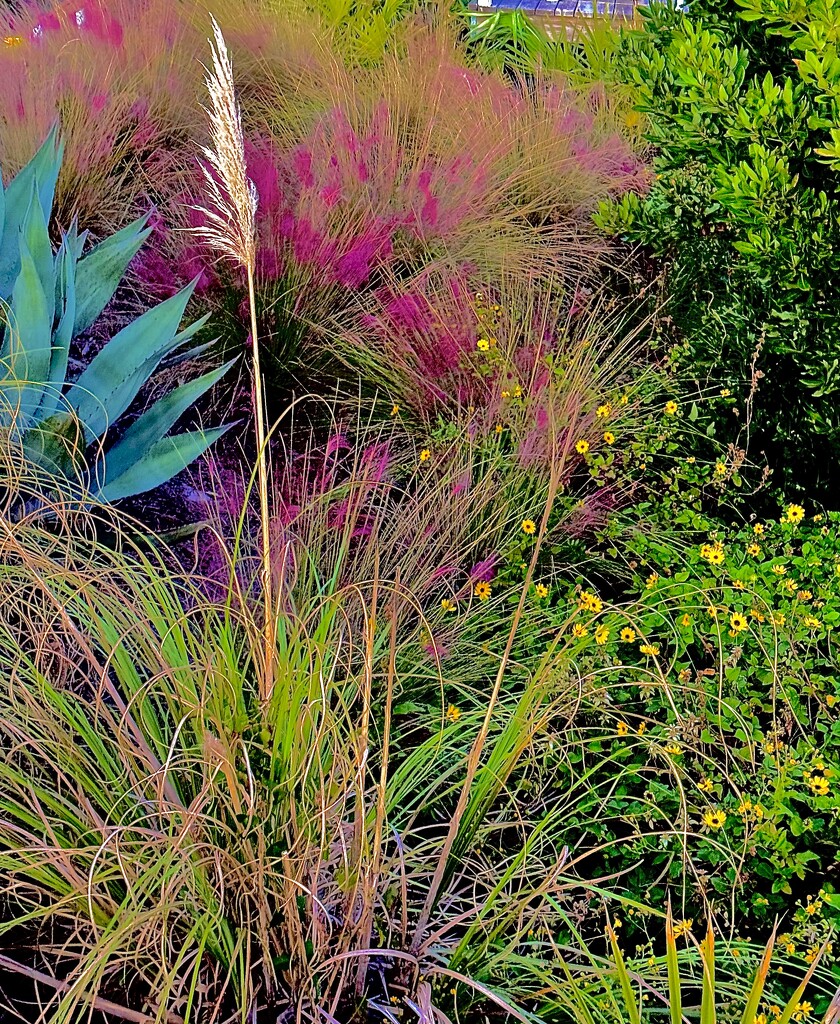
744, 214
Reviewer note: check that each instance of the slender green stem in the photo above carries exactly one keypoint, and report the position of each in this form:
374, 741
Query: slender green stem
262, 471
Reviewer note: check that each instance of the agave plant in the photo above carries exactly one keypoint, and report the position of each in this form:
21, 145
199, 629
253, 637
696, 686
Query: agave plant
49, 298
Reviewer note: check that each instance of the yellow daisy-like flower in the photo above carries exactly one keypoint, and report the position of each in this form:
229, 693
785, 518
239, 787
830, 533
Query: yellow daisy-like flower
590, 602
395, 409
579, 631
739, 584
779, 570
725, 392
745, 806
447, 605
794, 514
712, 611
779, 618
609, 437
757, 615
622, 728
652, 580
529, 526
582, 447
425, 455
758, 529
673, 749
505, 393
628, 635
705, 785
603, 411
812, 622
482, 590
602, 635
624, 400
499, 428
453, 713
714, 818
671, 408
683, 927
720, 469
738, 622
685, 620
541, 590
517, 391
819, 786
754, 549
649, 649
483, 345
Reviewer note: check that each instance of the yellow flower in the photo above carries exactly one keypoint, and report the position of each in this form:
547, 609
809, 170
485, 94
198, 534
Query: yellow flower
517, 391
738, 622
651, 649
802, 1010
499, 428
641, 729
447, 605
725, 392
714, 818
395, 409
795, 514
819, 785
779, 570
720, 469
812, 622
812, 908
609, 437
624, 400
482, 590
582, 447
754, 550
12, 40
758, 529
529, 526
652, 580
714, 554
453, 713
602, 634
745, 806
628, 635
622, 728
804, 595
671, 408
541, 589
425, 455
713, 612
683, 927
757, 615
738, 584
483, 344
705, 785
830, 699
779, 619
505, 393
673, 749
685, 620
603, 411
590, 602
579, 631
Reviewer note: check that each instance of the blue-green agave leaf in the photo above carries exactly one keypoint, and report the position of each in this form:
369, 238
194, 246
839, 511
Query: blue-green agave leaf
99, 273
115, 375
65, 268
163, 461
30, 343
37, 238
42, 169
149, 428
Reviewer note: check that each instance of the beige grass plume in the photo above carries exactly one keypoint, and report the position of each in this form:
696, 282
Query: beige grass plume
230, 229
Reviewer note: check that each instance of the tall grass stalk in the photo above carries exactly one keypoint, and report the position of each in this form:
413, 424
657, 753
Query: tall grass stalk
231, 230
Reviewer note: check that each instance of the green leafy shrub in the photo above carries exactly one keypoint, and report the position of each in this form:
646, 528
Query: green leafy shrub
53, 297
744, 213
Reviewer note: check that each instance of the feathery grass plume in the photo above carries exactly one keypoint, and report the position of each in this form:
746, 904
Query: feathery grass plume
230, 229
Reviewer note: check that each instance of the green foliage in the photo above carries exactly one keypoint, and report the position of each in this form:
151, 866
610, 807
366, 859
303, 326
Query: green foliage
744, 211
51, 298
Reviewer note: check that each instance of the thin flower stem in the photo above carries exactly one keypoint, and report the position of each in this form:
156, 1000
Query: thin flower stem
262, 470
